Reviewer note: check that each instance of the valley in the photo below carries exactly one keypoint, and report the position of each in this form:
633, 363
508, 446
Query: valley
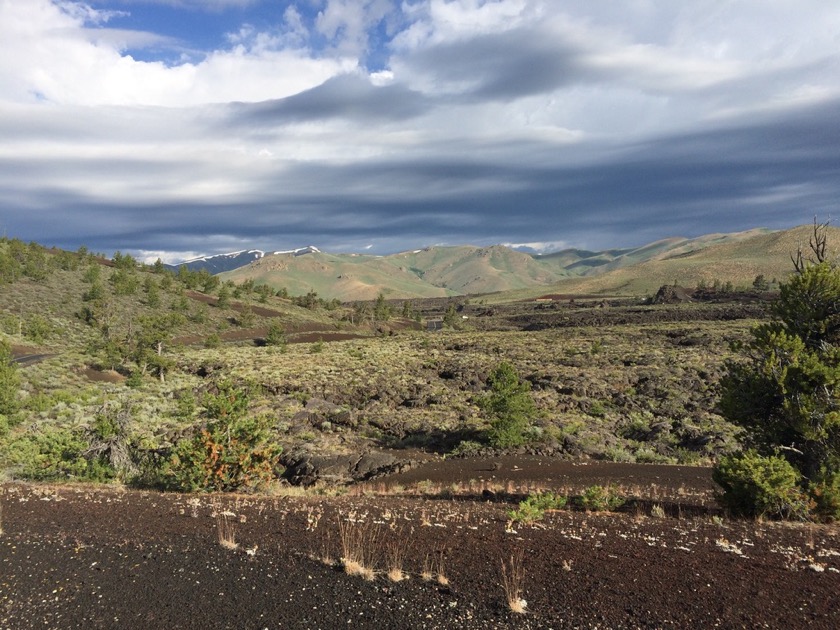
168, 438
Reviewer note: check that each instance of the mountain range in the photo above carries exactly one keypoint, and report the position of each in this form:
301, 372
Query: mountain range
234, 260
469, 270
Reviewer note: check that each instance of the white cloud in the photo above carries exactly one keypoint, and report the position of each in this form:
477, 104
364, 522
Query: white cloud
347, 23
539, 246
86, 14
166, 257
49, 54
203, 5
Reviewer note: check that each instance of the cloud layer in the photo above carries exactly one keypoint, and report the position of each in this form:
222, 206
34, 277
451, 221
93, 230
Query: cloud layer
401, 124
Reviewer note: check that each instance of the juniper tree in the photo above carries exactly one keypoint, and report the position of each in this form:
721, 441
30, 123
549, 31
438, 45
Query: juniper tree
785, 394
509, 405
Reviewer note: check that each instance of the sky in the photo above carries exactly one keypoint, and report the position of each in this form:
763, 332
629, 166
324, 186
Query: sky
178, 128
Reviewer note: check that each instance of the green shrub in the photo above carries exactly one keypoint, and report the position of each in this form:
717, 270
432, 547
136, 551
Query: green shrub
246, 317
597, 409
467, 448
600, 499
10, 324
535, 506
56, 455
618, 454
125, 282
186, 404
757, 485
227, 455
646, 455
38, 402
135, 379
826, 496
509, 405
9, 381
229, 401
276, 335
232, 451
37, 329
198, 316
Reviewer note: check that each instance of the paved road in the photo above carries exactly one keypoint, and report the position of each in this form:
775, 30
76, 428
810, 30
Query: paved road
30, 359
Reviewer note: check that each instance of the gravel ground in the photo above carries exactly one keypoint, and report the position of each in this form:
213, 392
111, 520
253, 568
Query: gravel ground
99, 557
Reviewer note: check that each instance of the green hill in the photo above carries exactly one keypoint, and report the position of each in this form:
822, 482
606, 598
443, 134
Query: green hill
430, 272
468, 270
346, 277
733, 258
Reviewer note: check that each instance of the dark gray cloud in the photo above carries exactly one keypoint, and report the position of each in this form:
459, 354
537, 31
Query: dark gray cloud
507, 65
774, 173
347, 97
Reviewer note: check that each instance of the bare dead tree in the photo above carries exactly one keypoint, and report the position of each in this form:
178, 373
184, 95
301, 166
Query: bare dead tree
817, 243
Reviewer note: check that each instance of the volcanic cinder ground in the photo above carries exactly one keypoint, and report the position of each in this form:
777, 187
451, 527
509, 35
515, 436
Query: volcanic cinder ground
103, 557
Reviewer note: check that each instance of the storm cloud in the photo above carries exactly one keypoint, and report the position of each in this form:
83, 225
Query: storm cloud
388, 126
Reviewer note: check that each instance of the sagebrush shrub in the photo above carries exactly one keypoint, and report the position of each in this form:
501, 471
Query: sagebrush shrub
9, 381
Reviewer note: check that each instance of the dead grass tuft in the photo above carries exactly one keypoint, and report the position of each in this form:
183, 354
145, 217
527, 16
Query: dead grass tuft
433, 568
358, 545
513, 578
226, 531
395, 556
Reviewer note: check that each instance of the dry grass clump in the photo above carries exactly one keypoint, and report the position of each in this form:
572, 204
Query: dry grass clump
358, 544
433, 568
325, 554
395, 556
513, 577
226, 531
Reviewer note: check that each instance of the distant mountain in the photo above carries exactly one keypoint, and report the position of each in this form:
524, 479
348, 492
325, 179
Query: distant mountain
716, 258
228, 262
464, 270
346, 277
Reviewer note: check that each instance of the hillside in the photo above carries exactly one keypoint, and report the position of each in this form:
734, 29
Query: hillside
735, 258
711, 259
472, 270
430, 272
56, 300
344, 277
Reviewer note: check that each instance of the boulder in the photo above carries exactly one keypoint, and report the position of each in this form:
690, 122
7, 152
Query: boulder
305, 468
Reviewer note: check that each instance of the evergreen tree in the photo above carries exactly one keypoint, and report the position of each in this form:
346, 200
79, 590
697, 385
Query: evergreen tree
9, 381
509, 405
786, 395
381, 309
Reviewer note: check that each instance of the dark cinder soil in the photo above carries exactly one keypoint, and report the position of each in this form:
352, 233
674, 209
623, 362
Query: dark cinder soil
573, 476
96, 557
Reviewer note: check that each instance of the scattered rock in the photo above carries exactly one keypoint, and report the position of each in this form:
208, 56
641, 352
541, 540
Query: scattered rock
671, 294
